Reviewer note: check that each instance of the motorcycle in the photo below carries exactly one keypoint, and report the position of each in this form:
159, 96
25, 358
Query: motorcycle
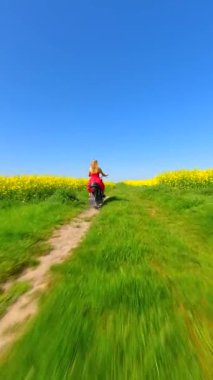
96, 195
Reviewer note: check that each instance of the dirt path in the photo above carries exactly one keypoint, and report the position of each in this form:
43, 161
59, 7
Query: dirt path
63, 241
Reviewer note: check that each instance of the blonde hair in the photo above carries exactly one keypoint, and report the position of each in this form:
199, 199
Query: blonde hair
94, 167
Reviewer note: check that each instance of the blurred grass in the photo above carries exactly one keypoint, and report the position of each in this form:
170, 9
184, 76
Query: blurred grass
26, 226
134, 301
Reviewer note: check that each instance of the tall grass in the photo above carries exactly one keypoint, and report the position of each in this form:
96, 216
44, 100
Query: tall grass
133, 302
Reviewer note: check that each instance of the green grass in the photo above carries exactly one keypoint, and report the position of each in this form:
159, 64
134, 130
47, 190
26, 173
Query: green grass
133, 303
26, 226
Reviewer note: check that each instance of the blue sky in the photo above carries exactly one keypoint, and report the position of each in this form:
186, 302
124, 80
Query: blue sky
127, 82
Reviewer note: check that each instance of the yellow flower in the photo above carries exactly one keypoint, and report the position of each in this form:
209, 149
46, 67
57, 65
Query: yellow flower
179, 178
28, 186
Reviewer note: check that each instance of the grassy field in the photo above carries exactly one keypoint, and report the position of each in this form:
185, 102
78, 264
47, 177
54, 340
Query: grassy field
134, 300
26, 226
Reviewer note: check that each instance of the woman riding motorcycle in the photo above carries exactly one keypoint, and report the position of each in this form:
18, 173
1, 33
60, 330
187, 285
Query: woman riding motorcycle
94, 174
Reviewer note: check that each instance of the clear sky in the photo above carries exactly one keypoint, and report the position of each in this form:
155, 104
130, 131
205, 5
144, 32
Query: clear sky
127, 82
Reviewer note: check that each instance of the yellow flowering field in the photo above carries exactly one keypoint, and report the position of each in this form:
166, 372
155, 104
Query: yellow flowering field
38, 187
178, 178
35, 186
